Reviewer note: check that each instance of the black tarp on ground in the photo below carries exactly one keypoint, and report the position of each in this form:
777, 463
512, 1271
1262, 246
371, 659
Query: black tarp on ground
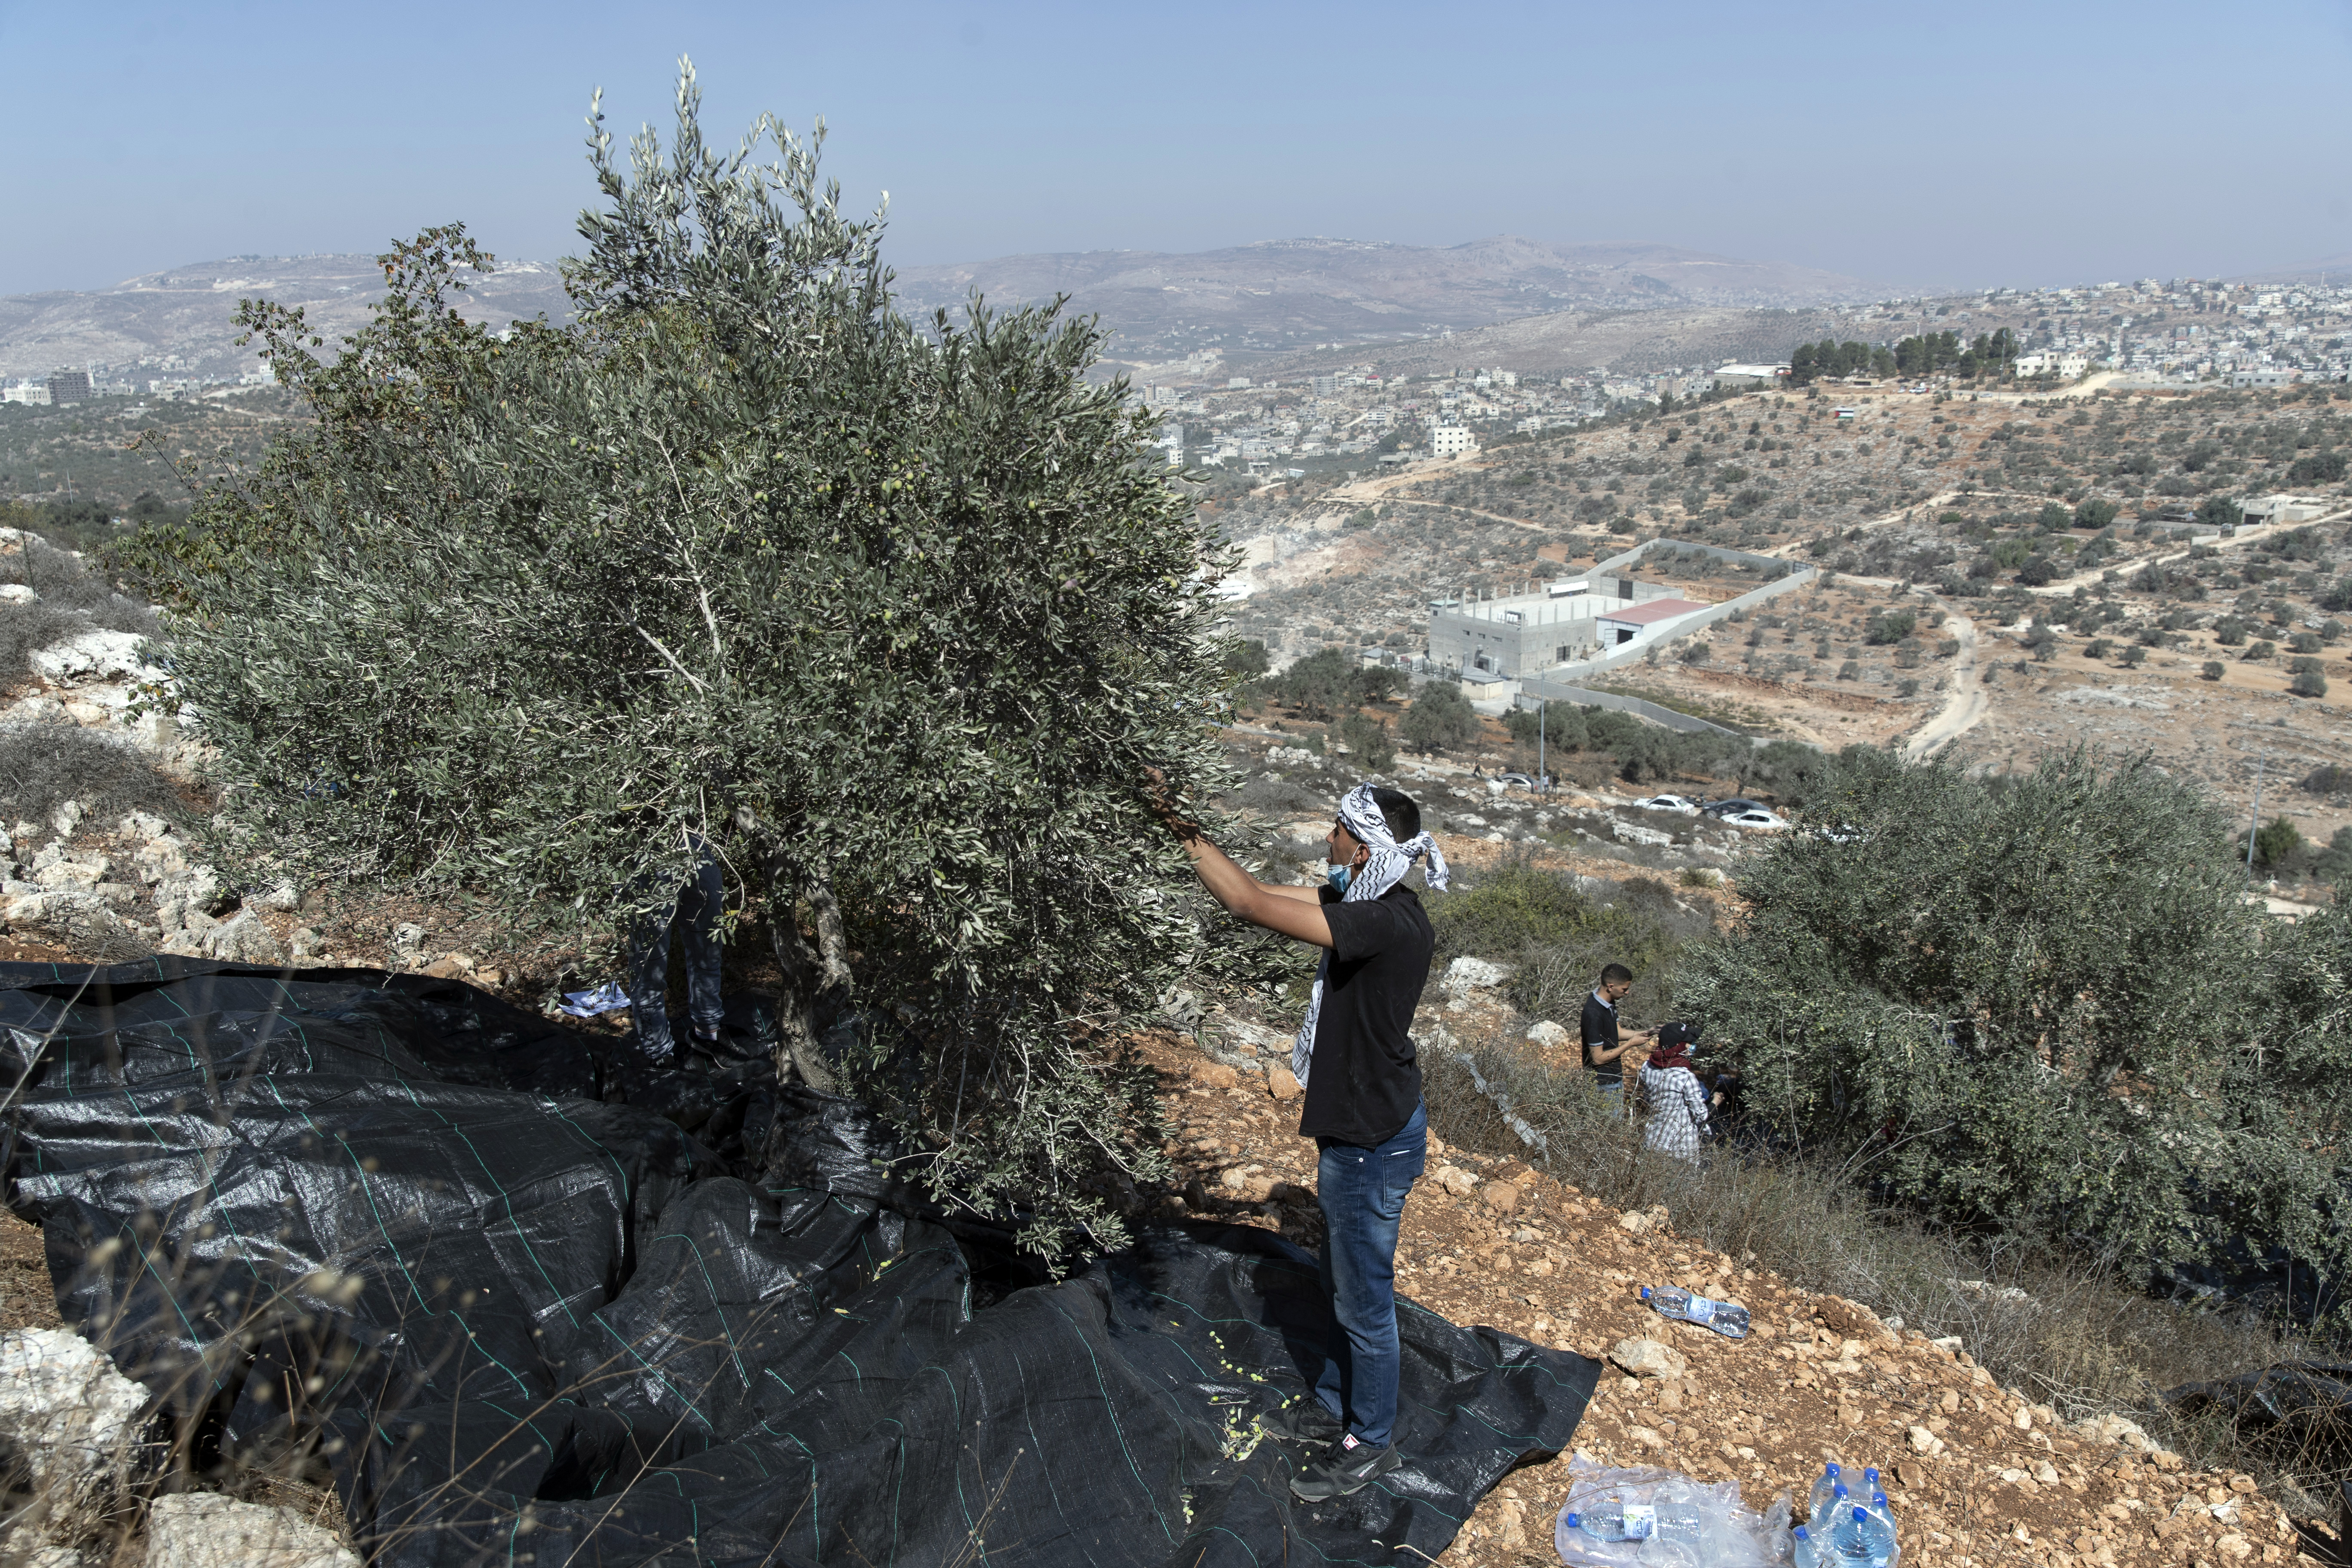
534, 1325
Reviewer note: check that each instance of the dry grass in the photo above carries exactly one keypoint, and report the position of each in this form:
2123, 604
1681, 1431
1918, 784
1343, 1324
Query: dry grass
2068, 1331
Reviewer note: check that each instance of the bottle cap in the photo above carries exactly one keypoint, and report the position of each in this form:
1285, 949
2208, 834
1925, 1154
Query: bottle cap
1878, 1497
1830, 1469
1862, 1516
1838, 1491
1646, 1292
1574, 1522
1801, 1529
1870, 1476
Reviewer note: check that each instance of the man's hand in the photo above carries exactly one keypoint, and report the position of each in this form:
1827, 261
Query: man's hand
1293, 912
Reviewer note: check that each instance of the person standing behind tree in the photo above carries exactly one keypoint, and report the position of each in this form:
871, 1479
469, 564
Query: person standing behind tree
1363, 1106
1678, 1103
1604, 1046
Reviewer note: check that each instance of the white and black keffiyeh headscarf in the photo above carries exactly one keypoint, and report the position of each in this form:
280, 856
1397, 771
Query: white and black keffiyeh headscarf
1383, 869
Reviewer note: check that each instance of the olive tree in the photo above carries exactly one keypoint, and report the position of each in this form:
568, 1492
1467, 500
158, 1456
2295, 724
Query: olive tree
891, 616
2046, 1003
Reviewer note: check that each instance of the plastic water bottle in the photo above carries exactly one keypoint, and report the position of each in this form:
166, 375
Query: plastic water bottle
1614, 1521
1807, 1554
1725, 1318
1880, 1509
1833, 1509
1817, 1505
1863, 1541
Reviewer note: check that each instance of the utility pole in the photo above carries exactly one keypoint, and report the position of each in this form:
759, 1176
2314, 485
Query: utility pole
2255, 825
1543, 783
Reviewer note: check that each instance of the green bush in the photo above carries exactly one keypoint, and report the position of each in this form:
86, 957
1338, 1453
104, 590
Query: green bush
2308, 683
1555, 938
1439, 720
1890, 628
2211, 670
2278, 845
2052, 1011
1367, 741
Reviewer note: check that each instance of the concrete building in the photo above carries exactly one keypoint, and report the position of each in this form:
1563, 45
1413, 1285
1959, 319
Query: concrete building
2263, 377
69, 386
30, 393
1452, 440
2284, 509
1742, 375
1529, 633
1621, 626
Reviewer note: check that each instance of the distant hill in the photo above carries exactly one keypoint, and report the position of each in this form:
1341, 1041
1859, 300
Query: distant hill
187, 313
2333, 271
1284, 295
1277, 297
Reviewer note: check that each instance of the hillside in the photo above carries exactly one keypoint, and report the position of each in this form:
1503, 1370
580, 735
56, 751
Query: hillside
1286, 294
187, 314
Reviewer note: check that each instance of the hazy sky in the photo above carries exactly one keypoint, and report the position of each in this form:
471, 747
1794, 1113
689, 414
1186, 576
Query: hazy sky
1956, 145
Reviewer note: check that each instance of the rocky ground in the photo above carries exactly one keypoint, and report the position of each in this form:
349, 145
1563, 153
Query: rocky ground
1978, 1474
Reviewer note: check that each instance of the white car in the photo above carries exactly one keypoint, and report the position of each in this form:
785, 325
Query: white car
1758, 817
1675, 803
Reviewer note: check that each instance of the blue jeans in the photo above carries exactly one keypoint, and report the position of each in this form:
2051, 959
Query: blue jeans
1362, 1194
696, 915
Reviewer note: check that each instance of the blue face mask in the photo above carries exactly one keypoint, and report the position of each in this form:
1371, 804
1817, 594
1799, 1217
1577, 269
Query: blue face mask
1338, 877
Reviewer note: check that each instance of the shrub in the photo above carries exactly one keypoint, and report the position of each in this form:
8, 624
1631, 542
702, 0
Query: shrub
2099, 648
2134, 656
2212, 670
2278, 843
1849, 671
2260, 650
2038, 571
2331, 779
2049, 1013
1891, 627
1695, 651
1367, 741
2308, 683
42, 765
1439, 720
1555, 937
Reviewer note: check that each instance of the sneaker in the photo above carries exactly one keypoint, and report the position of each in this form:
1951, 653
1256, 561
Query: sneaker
1306, 1422
1343, 1469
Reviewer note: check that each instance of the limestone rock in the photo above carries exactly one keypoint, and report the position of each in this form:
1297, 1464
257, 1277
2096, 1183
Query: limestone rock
1501, 1196
457, 966
1550, 1036
243, 938
408, 944
102, 655
1282, 1083
64, 1407
1466, 975
1455, 1180
1216, 1075
1648, 1358
2114, 1429
202, 1530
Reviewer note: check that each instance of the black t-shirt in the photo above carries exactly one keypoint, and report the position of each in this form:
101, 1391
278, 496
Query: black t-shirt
1600, 1028
1365, 1080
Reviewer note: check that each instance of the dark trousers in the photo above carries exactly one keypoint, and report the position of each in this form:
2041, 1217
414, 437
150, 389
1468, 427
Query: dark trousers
1362, 1194
695, 917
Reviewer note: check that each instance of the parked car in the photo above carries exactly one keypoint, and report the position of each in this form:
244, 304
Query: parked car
1757, 816
1514, 781
1676, 803
1737, 803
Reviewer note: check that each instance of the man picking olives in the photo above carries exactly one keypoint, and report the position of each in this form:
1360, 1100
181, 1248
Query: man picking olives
1362, 1105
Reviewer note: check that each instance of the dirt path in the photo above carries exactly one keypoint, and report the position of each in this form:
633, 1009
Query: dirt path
1965, 709
2065, 585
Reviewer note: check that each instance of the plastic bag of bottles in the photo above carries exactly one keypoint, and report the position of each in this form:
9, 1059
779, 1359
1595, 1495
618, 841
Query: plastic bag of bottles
1728, 1318
1657, 1519
1845, 1529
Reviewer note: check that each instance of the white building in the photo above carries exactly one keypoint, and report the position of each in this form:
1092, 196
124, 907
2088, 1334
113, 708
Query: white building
1453, 441
1737, 375
26, 392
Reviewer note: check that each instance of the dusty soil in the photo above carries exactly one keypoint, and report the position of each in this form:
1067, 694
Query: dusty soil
2004, 1482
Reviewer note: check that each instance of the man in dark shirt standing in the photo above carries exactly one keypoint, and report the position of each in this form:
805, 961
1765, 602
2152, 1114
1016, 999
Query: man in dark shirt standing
1362, 1105
1604, 1049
